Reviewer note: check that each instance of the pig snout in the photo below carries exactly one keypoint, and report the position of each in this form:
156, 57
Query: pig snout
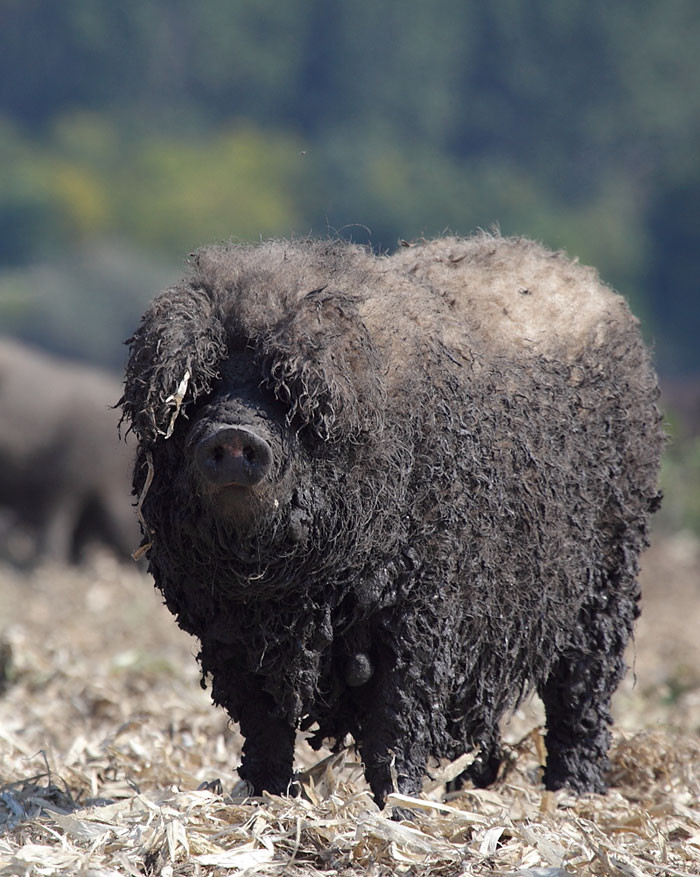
233, 455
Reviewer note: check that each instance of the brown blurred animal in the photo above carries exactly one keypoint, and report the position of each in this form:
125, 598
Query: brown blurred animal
64, 473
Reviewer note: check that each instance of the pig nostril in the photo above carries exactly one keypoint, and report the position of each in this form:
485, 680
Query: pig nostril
233, 455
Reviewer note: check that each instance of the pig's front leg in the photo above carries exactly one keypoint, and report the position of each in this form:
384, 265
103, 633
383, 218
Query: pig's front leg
268, 751
395, 741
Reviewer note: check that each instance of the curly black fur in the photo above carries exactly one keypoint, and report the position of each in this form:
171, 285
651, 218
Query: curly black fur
465, 445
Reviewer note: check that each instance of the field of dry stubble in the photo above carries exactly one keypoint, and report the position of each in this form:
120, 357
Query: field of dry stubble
114, 761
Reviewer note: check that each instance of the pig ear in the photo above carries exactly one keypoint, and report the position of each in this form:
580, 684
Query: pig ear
320, 363
174, 358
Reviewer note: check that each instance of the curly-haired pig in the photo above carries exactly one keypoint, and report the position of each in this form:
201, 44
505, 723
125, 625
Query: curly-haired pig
390, 495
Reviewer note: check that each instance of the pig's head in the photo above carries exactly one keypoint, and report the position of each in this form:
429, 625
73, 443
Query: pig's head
245, 388
240, 457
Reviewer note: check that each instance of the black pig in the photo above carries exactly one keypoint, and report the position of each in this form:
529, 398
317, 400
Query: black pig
390, 495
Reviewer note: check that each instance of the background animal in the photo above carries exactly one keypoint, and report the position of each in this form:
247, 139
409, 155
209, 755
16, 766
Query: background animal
64, 473
390, 495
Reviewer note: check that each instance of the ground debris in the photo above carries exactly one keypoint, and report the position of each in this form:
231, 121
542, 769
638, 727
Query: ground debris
114, 762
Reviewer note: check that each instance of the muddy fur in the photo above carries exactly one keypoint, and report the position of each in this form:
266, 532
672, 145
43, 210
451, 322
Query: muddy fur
64, 474
465, 442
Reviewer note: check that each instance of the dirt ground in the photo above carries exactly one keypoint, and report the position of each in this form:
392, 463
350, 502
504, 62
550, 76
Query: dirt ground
113, 761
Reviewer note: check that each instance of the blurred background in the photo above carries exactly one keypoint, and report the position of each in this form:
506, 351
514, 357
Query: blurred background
132, 131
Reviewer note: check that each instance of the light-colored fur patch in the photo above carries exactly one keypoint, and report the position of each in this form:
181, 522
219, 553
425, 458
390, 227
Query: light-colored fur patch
509, 294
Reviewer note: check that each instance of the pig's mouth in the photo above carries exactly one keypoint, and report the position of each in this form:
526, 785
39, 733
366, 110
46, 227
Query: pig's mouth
243, 507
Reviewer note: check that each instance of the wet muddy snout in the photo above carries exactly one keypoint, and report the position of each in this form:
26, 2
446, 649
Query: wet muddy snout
233, 455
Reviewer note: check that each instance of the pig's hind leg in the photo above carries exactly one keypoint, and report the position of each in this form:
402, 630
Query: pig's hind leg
579, 689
